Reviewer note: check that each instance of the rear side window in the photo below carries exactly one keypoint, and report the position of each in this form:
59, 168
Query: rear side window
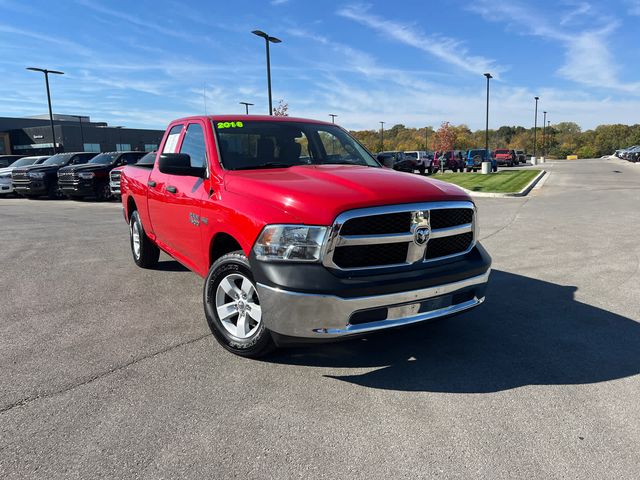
194, 145
78, 159
129, 158
171, 144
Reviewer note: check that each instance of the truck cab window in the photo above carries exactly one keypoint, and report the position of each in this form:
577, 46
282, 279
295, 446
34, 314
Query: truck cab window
194, 145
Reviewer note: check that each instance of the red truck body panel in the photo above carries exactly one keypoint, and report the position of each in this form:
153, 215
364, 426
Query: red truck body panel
240, 203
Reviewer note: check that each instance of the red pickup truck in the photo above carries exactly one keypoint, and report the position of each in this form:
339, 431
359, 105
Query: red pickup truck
299, 233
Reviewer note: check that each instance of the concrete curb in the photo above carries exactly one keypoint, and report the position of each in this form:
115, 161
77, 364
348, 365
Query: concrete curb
522, 193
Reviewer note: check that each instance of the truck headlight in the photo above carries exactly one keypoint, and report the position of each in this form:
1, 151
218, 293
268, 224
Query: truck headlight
36, 175
294, 243
5, 176
86, 175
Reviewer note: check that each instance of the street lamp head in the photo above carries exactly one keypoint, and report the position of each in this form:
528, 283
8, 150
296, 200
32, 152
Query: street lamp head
44, 70
488, 75
537, 98
260, 33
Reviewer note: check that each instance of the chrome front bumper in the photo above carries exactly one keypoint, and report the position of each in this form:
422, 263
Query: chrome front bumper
323, 316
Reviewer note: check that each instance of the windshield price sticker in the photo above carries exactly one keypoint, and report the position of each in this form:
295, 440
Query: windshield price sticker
230, 125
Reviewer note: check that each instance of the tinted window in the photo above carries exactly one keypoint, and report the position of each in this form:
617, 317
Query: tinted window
194, 145
59, 159
171, 144
104, 158
413, 155
78, 159
129, 158
148, 159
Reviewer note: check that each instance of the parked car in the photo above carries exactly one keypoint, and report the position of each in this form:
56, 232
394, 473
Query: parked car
633, 154
114, 175
521, 156
505, 157
475, 157
450, 159
42, 179
297, 250
423, 160
92, 178
397, 161
6, 186
6, 160
626, 153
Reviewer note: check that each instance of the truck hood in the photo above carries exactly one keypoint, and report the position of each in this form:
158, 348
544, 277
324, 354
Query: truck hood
37, 168
87, 167
7, 169
318, 193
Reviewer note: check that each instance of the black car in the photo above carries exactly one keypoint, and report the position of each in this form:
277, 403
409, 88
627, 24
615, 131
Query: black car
7, 160
37, 180
398, 161
92, 178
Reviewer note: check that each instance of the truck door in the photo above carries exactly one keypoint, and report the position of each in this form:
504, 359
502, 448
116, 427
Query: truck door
182, 199
160, 225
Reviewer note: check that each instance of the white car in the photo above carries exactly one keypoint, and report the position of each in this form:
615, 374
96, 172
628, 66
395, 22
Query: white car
424, 159
5, 173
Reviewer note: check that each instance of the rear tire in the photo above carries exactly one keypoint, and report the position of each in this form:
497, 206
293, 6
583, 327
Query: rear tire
232, 307
145, 252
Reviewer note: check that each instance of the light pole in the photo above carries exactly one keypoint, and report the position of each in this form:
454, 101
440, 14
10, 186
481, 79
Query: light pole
46, 79
246, 106
486, 126
535, 128
79, 117
268, 40
333, 117
382, 136
544, 134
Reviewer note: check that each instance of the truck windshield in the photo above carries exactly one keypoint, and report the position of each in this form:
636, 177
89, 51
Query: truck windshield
25, 161
104, 158
59, 159
247, 144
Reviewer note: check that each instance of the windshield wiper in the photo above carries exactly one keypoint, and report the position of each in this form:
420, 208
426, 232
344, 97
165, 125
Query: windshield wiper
267, 165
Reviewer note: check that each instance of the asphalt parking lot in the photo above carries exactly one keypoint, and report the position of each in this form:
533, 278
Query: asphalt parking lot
110, 371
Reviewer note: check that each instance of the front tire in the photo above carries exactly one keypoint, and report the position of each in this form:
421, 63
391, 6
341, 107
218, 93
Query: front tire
232, 307
103, 193
145, 252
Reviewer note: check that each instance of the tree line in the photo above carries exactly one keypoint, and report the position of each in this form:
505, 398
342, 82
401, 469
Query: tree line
560, 140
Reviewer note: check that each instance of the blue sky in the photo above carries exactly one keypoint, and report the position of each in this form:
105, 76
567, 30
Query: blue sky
143, 63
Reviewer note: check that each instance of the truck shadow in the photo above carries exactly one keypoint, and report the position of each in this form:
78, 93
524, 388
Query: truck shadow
528, 332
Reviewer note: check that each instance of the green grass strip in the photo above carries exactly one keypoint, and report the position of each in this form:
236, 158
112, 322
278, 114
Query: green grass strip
505, 181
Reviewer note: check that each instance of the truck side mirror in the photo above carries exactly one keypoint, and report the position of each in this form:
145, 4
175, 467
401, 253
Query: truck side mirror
179, 164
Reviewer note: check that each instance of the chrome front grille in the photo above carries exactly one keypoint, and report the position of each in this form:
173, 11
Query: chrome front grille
114, 182
399, 235
19, 175
67, 176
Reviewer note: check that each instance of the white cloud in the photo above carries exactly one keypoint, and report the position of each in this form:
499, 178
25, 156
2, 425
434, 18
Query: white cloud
588, 59
446, 49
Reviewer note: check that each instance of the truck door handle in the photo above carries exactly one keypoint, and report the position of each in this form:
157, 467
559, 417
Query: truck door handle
172, 189
151, 183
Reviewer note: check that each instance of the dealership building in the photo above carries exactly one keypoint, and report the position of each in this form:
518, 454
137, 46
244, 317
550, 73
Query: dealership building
73, 133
